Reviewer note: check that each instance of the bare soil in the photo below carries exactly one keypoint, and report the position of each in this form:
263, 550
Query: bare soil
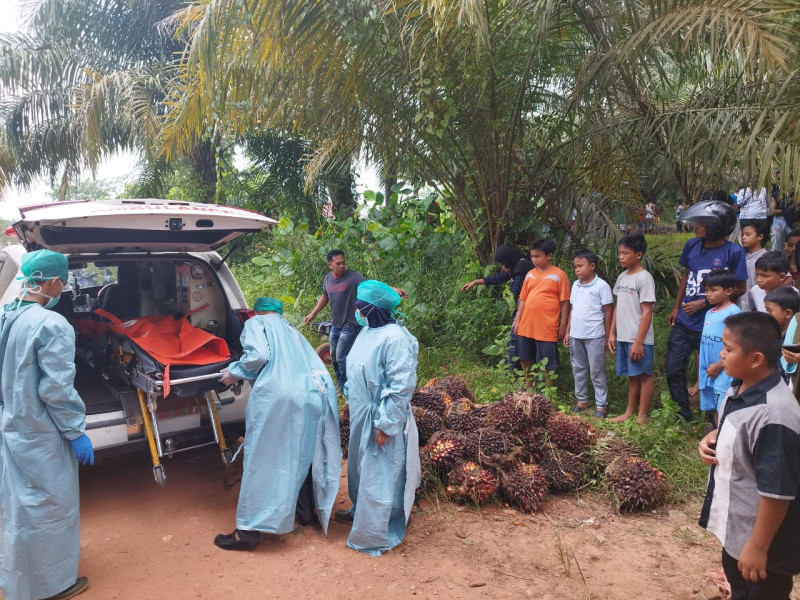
141, 542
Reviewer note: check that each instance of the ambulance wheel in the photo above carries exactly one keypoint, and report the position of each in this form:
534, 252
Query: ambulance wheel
160, 476
324, 352
227, 458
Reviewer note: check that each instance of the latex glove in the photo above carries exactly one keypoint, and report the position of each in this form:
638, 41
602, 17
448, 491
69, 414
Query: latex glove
82, 446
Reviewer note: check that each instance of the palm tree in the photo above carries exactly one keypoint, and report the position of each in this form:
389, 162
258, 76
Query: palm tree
510, 109
84, 80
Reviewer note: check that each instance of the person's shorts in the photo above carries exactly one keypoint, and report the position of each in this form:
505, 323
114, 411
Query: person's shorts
631, 368
535, 351
710, 399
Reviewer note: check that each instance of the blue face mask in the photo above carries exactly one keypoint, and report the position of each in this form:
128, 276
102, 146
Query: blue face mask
52, 302
361, 319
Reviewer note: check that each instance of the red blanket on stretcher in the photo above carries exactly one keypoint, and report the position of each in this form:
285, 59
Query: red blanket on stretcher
168, 341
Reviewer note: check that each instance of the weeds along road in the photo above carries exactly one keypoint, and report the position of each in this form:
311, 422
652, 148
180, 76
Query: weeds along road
141, 542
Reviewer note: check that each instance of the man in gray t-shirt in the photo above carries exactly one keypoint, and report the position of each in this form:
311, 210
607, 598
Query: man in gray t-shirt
339, 289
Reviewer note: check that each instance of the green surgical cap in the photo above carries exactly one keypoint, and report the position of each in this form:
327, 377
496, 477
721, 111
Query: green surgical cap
272, 304
378, 293
43, 265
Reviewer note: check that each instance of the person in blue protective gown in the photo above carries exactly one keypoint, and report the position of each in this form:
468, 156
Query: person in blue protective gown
292, 452
42, 422
383, 470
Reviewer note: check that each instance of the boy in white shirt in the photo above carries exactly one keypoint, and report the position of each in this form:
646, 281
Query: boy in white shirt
587, 333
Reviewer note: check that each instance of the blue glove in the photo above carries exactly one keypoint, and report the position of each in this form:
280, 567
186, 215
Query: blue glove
82, 446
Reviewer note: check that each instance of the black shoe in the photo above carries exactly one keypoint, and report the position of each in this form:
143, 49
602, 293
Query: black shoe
240, 539
76, 588
343, 516
314, 520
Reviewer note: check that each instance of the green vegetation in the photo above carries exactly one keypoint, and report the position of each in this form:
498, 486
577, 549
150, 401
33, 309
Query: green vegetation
461, 333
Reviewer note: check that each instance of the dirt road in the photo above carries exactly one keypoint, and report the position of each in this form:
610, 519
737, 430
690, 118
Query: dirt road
141, 542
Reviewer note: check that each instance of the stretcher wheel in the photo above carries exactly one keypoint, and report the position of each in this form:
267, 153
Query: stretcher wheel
160, 476
324, 352
227, 458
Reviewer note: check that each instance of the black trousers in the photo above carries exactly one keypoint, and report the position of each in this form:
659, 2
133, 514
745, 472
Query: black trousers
682, 343
777, 586
305, 502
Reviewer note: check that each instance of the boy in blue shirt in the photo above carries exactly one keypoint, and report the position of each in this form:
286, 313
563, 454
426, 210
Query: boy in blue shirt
783, 303
713, 221
587, 335
714, 382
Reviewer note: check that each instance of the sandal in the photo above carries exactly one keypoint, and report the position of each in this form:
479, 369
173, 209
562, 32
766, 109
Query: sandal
238, 540
601, 413
80, 585
580, 407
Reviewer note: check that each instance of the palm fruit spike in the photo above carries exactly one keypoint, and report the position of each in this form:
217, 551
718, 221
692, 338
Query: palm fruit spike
572, 434
453, 386
524, 486
563, 470
429, 401
635, 485
469, 481
531, 440
428, 423
460, 416
446, 448
344, 431
482, 444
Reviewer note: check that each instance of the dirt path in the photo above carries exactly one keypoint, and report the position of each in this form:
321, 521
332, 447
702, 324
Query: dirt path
140, 542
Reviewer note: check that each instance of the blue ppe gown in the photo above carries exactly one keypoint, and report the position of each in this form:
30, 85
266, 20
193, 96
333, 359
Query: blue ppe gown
382, 481
40, 412
292, 423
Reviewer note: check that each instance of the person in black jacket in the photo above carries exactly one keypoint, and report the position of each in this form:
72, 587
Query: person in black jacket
513, 268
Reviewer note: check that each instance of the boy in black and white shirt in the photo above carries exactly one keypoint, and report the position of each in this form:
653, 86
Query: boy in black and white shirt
751, 502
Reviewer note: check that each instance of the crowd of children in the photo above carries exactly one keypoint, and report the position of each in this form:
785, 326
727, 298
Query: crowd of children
737, 309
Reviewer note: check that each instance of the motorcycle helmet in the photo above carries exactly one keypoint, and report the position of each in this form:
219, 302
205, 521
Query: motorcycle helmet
718, 217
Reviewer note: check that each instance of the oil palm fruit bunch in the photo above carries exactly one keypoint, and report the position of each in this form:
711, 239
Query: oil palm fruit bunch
518, 411
453, 386
563, 470
611, 446
531, 440
524, 486
635, 485
508, 461
469, 481
430, 475
461, 416
572, 434
446, 449
483, 443
428, 423
344, 431
432, 401
480, 411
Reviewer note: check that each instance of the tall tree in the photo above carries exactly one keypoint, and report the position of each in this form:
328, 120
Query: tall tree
510, 108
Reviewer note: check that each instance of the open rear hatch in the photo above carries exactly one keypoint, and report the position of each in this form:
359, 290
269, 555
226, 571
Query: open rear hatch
111, 226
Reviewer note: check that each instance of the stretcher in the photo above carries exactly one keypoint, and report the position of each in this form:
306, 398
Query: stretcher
166, 380
150, 389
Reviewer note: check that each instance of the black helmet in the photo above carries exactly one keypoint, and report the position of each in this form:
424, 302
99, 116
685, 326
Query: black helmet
718, 217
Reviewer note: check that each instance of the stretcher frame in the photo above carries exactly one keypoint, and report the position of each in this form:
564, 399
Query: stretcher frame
149, 389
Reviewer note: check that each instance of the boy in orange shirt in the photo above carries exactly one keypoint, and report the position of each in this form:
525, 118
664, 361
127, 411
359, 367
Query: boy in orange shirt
543, 311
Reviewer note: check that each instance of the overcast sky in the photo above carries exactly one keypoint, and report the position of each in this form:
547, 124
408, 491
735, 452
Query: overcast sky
122, 165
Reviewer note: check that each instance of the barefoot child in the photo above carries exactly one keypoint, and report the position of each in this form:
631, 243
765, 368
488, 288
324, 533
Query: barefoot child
587, 335
543, 310
714, 382
751, 500
633, 323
